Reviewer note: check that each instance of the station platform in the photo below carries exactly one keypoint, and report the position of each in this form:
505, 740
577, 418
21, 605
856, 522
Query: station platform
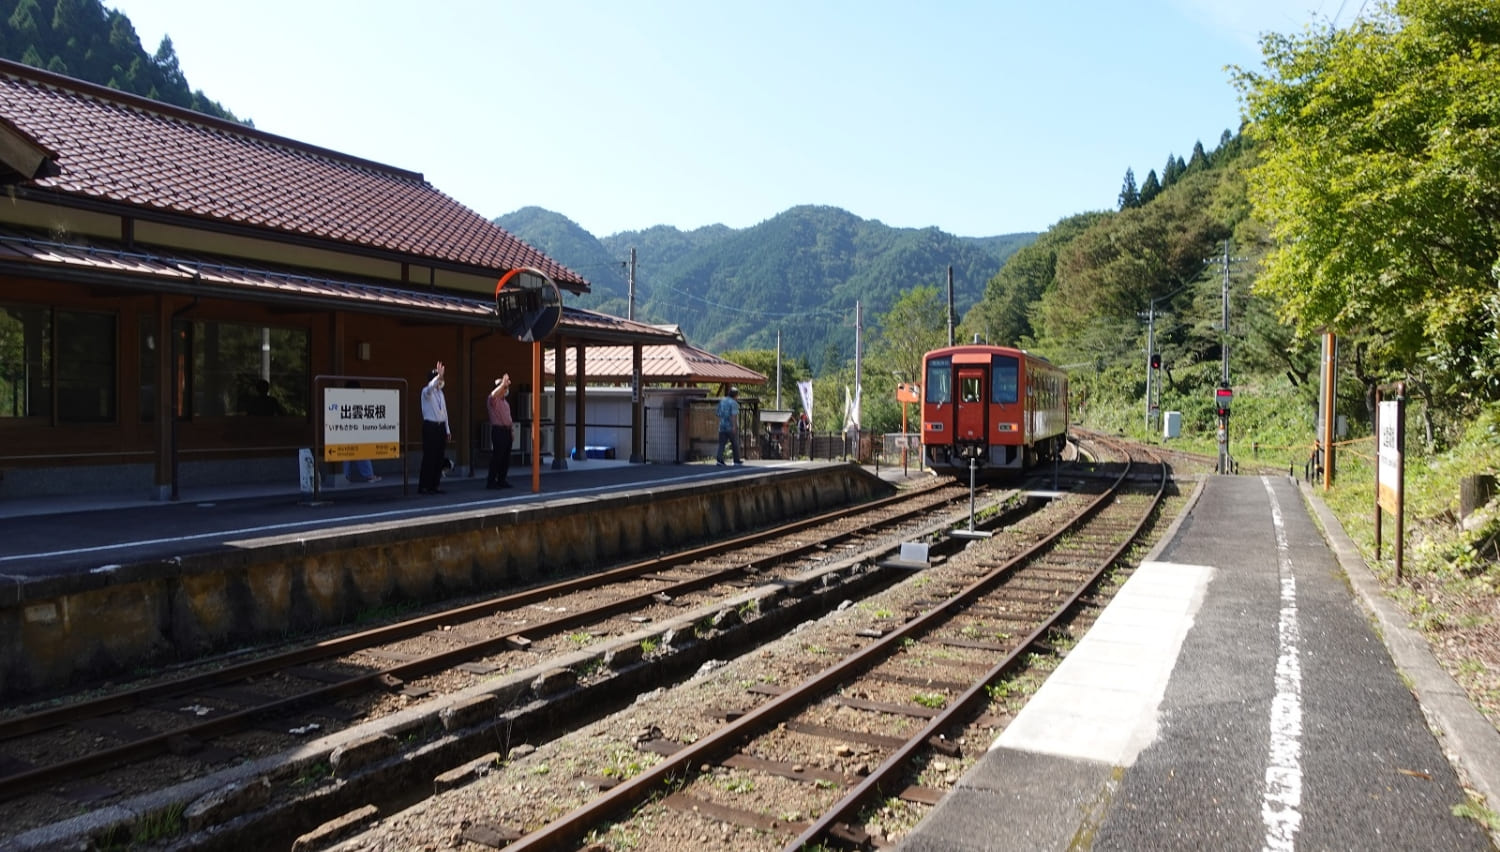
1250, 687
56, 536
92, 588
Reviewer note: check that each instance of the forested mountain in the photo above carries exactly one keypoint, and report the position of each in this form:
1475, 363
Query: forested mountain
82, 39
1098, 290
799, 273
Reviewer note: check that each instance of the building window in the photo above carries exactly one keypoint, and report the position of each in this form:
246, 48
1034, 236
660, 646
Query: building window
85, 367
239, 369
150, 359
70, 352
25, 362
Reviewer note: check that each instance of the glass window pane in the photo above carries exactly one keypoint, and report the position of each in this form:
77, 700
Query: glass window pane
248, 370
85, 367
149, 361
1003, 382
938, 387
25, 362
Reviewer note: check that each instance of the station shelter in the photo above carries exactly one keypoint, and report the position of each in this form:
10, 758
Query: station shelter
680, 384
176, 288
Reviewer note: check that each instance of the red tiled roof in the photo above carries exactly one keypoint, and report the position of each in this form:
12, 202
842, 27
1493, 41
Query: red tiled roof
659, 363
118, 148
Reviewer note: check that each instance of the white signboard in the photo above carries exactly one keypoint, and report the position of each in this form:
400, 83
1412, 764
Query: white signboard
360, 423
1388, 480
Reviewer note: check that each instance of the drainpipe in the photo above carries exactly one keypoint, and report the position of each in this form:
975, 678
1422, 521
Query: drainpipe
174, 410
473, 373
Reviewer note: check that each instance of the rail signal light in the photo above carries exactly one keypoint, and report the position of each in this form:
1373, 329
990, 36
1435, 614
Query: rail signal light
1223, 395
1156, 360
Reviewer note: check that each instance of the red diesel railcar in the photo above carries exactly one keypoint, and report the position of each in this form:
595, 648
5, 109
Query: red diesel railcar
1000, 408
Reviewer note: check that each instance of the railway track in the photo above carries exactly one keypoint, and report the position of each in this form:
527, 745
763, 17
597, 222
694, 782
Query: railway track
867, 722
265, 717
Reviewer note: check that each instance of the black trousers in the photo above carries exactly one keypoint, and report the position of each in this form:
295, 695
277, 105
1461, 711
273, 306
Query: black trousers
434, 443
500, 444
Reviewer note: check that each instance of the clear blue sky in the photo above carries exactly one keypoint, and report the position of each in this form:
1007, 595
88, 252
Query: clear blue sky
979, 118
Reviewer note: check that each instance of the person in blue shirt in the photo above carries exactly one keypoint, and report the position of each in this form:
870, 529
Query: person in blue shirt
729, 419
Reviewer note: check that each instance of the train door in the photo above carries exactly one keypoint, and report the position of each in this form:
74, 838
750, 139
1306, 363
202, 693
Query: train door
972, 407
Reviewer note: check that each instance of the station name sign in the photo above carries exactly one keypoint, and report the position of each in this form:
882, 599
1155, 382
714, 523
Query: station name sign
361, 423
1388, 477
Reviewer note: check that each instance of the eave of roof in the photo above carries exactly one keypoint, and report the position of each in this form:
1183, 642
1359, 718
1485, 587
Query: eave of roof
660, 362
203, 275
107, 149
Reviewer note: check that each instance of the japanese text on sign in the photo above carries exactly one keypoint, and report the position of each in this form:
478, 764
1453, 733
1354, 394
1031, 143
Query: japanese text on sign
360, 423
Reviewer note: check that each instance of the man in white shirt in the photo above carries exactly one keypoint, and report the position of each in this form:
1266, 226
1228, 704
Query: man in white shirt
435, 432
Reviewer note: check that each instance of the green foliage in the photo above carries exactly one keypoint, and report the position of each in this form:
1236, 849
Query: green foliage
81, 39
1112, 270
1378, 182
763, 361
1130, 195
1004, 315
916, 323
1150, 187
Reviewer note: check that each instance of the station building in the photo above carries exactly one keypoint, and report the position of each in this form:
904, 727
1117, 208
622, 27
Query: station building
175, 290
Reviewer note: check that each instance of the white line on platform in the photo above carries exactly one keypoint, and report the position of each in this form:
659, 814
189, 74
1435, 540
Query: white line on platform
1280, 805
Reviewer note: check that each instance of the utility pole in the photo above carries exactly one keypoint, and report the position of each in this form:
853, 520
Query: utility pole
1224, 393
1150, 351
1225, 326
950, 304
630, 309
859, 329
778, 369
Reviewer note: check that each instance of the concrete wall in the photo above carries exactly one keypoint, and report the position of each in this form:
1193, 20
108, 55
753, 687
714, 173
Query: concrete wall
72, 630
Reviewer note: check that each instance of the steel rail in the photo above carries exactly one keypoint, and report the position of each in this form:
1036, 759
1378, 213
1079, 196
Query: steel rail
874, 783
681, 764
130, 699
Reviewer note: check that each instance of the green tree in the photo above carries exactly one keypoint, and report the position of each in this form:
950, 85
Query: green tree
1129, 195
763, 361
1380, 183
1004, 315
1150, 188
1199, 158
1172, 171
916, 323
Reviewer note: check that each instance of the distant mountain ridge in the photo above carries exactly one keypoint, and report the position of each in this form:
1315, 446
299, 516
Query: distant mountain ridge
800, 272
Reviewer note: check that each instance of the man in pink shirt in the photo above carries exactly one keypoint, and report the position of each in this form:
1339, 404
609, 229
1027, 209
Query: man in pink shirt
500, 434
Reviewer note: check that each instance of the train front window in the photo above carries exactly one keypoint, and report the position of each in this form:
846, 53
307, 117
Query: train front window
969, 388
1003, 379
939, 385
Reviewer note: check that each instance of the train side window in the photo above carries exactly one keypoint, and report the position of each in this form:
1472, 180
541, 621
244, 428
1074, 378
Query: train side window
939, 385
1003, 379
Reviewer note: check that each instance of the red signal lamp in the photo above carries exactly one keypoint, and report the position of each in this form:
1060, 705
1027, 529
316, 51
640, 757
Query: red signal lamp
1223, 396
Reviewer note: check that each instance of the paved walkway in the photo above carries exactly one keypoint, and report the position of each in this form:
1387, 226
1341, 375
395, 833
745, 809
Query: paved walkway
1235, 695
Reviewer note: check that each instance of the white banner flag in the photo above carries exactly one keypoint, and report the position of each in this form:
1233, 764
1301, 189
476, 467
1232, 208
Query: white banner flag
805, 389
